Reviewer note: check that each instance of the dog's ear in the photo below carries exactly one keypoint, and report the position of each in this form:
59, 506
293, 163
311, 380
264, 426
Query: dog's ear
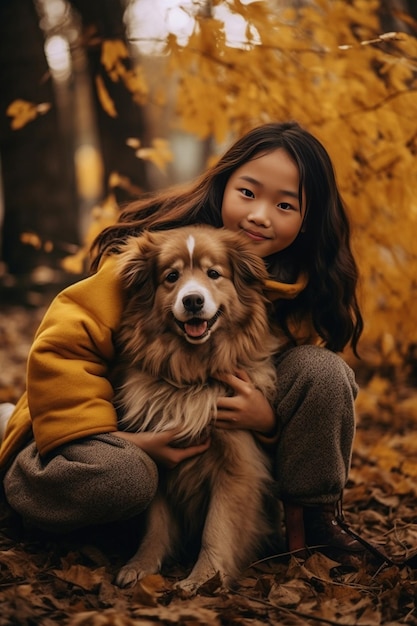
248, 268
137, 267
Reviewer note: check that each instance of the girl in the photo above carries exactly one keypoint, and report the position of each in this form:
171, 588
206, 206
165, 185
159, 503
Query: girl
65, 463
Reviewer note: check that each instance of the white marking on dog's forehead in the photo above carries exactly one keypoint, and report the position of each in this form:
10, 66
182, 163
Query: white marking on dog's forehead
191, 247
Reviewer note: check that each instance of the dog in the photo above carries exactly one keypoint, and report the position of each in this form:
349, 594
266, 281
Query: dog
195, 308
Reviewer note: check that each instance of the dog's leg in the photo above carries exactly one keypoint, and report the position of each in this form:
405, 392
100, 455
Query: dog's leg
221, 532
234, 526
156, 545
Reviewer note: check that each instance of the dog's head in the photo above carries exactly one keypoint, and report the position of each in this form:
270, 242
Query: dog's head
191, 280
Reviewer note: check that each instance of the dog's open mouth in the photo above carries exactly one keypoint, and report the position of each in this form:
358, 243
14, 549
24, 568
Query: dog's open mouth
197, 329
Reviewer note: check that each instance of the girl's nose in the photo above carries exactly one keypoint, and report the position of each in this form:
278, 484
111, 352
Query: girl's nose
259, 215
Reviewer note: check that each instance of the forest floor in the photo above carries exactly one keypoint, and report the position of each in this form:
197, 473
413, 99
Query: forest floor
69, 581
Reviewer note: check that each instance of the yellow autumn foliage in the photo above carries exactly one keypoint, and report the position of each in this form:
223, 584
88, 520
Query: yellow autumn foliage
328, 66
114, 56
103, 215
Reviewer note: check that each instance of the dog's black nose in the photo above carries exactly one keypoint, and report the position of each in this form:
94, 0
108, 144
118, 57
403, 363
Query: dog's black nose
193, 302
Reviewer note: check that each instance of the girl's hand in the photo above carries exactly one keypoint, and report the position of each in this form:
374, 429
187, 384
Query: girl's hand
159, 448
247, 409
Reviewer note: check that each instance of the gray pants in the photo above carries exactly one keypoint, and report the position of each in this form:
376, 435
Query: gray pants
316, 394
95, 480
104, 478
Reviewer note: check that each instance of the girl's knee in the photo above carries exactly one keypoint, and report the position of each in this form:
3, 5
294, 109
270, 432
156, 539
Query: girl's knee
313, 365
123, 486
97, 480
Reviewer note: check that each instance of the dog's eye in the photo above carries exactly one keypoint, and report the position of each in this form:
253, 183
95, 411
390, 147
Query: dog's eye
214, 274
172, 277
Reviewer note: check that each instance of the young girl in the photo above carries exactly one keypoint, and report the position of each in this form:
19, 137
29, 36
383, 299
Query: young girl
65, 463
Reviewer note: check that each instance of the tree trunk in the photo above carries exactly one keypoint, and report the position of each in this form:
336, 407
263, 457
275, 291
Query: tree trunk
39, 191
103, 20
390, 14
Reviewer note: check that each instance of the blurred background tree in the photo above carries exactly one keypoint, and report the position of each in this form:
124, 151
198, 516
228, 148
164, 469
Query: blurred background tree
102, 99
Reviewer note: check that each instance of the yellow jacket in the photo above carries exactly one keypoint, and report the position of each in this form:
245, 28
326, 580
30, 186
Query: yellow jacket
69, 394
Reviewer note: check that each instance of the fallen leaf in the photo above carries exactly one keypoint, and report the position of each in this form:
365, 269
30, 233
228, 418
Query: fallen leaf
190, 613
14, 564
82, 576
320, 566
288, 594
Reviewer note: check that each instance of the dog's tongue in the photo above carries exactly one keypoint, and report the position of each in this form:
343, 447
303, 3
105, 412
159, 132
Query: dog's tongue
195, 330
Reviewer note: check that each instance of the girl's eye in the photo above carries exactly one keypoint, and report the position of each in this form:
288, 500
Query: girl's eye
285, 205
172, 277
247, 192
214, 274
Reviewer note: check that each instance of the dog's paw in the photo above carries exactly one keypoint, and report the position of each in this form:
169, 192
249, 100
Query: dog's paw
129, 575
191, 585
187, 588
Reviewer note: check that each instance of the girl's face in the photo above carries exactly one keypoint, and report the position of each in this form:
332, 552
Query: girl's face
261, 199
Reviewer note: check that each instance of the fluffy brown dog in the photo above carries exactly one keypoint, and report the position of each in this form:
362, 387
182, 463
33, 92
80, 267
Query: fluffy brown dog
195, 308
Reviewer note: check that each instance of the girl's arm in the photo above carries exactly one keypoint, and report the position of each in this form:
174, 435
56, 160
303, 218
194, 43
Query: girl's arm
159, 448
68, 388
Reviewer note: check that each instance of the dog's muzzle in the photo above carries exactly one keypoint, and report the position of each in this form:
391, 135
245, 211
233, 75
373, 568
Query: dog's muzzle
196, 329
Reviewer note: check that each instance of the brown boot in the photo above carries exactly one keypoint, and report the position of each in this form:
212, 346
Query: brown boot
323, 526
317, 526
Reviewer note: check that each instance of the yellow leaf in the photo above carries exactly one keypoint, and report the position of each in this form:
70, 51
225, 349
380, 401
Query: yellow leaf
22, 112
74, 264
112, 51
387, 458
103, 215
407, 409
409, 468
133, 142
31, 239
135, 82
104, 97
159, 154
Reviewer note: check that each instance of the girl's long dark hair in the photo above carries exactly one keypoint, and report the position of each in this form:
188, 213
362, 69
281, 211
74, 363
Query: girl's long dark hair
322, 248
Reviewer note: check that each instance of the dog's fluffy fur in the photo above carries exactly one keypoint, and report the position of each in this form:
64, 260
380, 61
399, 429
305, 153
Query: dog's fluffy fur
194, 309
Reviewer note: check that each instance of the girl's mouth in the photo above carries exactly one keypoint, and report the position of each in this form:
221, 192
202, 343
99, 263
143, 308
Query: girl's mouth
255, 236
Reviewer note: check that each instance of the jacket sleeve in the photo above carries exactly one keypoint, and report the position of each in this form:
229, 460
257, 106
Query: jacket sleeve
68, 387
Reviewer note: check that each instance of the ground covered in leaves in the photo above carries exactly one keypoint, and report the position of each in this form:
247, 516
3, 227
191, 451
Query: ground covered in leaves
69, 581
